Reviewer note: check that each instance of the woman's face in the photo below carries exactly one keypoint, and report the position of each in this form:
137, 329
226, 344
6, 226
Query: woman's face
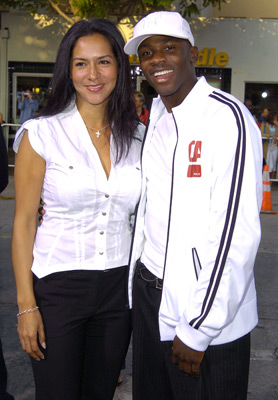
93, 70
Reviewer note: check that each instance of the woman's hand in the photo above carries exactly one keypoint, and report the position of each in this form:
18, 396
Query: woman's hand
31, 333
41, 211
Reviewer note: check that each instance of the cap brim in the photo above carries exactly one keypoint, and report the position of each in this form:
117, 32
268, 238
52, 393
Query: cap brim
133, 44
131, 47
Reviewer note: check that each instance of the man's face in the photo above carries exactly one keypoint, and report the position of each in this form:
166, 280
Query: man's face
168, 65
248, 104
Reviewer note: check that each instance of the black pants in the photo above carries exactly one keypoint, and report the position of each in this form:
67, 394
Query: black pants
88, 326
224, 369
3, 373
3, 377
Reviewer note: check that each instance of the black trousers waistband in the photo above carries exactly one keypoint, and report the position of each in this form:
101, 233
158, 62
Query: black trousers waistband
145, 274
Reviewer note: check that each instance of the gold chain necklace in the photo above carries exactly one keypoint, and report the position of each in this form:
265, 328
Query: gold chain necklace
98, 133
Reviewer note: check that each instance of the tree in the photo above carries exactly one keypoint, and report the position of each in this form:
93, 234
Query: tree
189, 7
74, 10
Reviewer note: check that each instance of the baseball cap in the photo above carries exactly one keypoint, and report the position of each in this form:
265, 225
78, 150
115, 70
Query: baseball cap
168, 23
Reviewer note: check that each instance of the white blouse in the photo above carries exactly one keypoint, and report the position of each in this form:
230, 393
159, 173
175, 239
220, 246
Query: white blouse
87, 221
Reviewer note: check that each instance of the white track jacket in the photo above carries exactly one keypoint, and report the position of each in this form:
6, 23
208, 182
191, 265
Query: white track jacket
208, 294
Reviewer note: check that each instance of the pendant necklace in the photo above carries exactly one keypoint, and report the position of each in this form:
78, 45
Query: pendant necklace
98, 133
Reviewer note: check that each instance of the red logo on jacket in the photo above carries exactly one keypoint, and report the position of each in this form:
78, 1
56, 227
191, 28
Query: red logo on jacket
194, 152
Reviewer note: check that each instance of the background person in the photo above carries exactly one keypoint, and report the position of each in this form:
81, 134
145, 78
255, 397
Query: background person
263, 117
248, 103
71, 272
4, 168
142, 112
272, 151
265, 132
28, 105
197, 227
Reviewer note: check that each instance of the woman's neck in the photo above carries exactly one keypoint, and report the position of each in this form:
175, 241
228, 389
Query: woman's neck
93, 115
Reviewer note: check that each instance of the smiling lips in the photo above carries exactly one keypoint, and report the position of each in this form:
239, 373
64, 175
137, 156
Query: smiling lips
95, 88
161, 73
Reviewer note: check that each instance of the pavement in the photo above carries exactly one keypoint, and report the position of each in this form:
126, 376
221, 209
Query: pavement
263, 381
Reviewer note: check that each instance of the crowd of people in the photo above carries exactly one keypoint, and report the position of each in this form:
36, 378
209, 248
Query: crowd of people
267, 121
152, 230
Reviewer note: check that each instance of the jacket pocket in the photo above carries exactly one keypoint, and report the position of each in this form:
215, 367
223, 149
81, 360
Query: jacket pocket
196, 262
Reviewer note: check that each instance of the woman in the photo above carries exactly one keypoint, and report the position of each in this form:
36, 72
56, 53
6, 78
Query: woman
82, 154
142, 112
265, 132
269, 136
272, 153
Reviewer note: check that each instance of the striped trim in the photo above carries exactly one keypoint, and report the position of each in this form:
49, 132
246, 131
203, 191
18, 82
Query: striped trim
171, 197
232, 209
196, 262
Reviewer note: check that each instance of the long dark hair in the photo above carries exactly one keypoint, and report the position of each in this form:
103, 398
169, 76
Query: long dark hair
121, 109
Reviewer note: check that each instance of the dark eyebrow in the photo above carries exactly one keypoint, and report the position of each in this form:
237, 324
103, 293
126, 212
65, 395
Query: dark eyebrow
79, 58
85, 59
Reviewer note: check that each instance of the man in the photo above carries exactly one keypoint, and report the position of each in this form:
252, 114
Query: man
197, 228
248, 103
28, 105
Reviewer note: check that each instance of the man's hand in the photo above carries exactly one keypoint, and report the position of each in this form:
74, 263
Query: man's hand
187, 359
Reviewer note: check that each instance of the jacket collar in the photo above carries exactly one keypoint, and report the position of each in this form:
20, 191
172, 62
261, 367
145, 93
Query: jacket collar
200, 91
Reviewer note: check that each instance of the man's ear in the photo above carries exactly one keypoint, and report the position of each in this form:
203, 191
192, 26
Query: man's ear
194, 52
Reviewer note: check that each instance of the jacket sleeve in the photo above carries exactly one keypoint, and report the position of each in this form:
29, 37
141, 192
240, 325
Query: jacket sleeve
233, 233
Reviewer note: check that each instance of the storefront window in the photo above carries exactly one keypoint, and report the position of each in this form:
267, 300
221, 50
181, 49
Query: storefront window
262, 95
23, 76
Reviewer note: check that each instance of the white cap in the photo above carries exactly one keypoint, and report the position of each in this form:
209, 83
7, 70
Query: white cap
166, 23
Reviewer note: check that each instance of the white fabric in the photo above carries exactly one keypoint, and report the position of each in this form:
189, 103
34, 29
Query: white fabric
208, 294
87, 217
158, 168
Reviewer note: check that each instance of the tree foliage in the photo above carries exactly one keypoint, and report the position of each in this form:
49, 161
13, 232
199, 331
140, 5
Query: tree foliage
74, 10
189, 8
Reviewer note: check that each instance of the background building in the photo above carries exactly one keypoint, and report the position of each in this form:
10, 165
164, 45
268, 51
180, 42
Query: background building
238, 53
